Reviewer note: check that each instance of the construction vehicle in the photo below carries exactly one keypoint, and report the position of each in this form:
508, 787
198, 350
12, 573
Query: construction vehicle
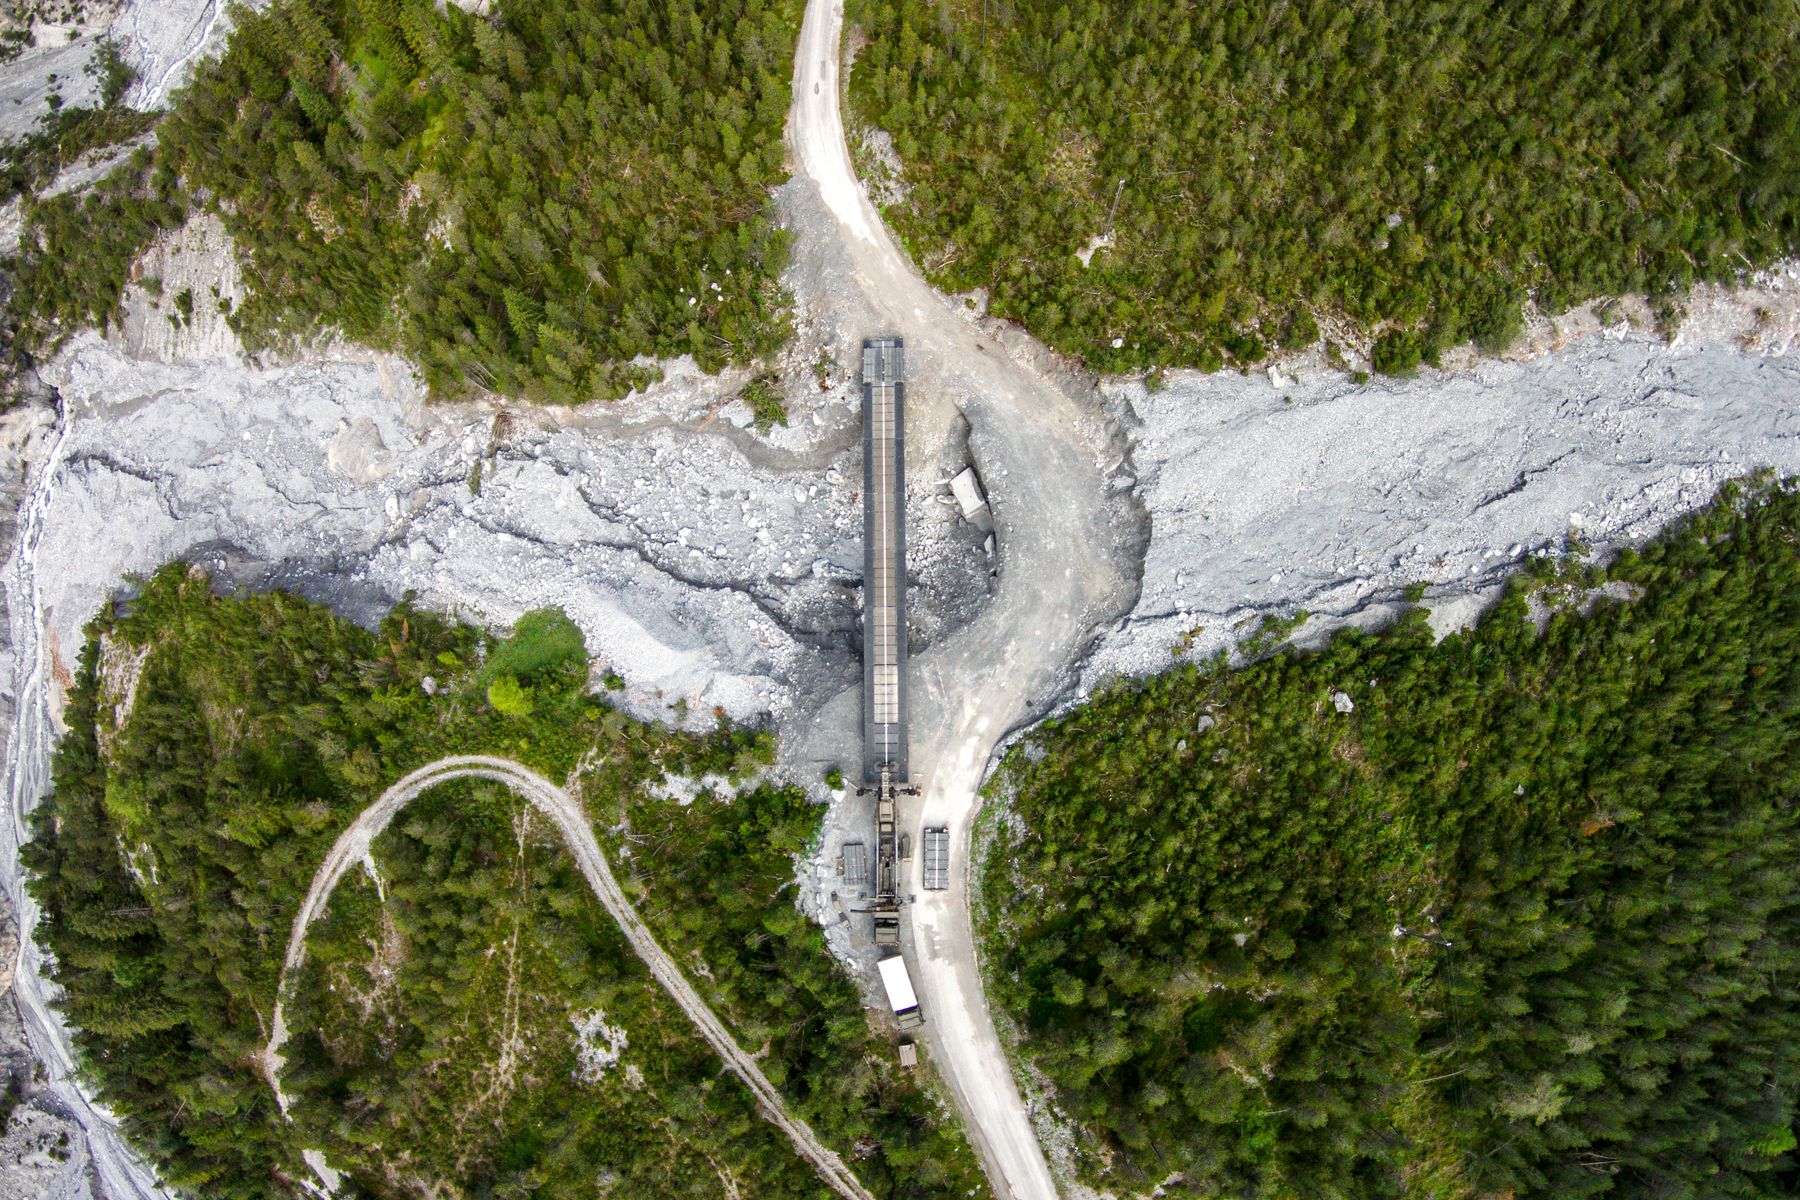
937, 858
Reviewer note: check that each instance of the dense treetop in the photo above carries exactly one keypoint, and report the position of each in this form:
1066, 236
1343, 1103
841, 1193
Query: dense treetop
469, 1020
522, 202
1424, 167
1522, 923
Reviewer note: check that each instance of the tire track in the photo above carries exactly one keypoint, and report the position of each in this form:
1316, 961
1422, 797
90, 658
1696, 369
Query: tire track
571, 820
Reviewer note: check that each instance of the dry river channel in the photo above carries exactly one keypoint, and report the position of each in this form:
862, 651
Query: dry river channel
1355, 492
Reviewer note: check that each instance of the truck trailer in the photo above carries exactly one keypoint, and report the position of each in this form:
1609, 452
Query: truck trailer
901, 997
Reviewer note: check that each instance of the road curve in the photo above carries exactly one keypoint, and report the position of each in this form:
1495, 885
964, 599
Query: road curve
1068, 563
566, 813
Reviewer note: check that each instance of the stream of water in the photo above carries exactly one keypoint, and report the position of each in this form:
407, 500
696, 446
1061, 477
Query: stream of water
30, 738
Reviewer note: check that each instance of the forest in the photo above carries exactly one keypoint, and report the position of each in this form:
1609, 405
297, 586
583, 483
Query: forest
521, 203
1243, 176
469, 1021
1520, 922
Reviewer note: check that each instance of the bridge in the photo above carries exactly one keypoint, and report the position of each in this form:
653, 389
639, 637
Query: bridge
884, 559
884, 617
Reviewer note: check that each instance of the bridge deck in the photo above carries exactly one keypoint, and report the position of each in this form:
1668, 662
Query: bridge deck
884, 559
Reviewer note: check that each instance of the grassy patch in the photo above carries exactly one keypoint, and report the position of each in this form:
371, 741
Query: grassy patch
543, 642
767, 408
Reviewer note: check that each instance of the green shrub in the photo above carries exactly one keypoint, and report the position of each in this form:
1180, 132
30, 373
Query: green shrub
1299, 331
509, 697
543, 641
1397, 352
763, 395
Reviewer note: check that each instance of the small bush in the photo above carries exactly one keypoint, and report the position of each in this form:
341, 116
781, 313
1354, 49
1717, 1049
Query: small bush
1246, 347
509, 697
1499, 323
543, 640
1398, 352
766, 405
1300, 331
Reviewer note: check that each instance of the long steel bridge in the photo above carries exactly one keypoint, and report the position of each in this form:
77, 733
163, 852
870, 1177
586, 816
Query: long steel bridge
884, 616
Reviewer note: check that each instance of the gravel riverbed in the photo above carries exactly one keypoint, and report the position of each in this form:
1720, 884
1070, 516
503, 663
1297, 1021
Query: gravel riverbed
718, 567
1332, 497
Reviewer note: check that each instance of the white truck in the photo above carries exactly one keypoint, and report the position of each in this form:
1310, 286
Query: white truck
901, 997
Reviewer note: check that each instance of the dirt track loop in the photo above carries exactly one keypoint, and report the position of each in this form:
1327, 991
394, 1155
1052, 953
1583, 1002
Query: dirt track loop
571, 820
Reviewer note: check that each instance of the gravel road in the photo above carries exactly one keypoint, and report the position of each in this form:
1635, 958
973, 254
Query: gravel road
1067, 563
571, 820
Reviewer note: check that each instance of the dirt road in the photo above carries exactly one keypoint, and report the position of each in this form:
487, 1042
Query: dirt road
571, 821
1067, 563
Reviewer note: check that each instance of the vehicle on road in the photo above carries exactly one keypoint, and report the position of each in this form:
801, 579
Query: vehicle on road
901, 997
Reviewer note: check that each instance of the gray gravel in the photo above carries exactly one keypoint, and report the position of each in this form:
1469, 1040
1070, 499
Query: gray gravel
1332, 498
162, 39
714, 566
29, 81
42, 1153
709, 566
698, 573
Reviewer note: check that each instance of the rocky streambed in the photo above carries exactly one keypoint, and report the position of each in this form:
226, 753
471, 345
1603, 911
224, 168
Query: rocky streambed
707, 567
715, 567
1326, 496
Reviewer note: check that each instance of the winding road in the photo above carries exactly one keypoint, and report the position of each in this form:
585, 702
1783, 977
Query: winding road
566, 813
1067, 565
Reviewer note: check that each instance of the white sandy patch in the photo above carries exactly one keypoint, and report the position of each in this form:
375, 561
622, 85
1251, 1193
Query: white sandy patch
685, 789
598, 1045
